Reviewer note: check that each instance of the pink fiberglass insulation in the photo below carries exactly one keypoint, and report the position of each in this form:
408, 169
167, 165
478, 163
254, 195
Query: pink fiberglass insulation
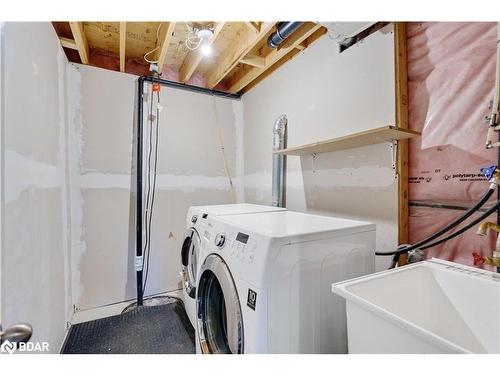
451, 76
425, 221
139, 67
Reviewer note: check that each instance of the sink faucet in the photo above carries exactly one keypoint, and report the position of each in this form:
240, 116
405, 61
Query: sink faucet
495, 259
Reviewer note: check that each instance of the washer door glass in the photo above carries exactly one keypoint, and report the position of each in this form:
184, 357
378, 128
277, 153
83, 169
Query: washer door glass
220, 323
190, 251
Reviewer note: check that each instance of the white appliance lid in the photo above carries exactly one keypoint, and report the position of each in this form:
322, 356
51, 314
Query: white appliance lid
233, 209
290, 223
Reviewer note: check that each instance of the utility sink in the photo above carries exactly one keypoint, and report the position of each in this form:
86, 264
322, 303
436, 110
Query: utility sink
434, 306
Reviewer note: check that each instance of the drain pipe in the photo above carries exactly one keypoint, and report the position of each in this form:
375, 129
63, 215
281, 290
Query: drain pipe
279, 161
283, 31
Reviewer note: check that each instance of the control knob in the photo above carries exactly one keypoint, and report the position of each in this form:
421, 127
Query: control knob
220, 239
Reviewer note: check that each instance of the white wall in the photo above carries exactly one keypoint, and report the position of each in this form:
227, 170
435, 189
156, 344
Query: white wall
190, 168
35, 233
326, 94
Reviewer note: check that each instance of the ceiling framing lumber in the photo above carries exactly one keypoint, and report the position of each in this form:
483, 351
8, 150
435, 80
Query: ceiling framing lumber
236, 51
123, 42
193, 58
164, 42
68, 43
80, 41
240, 49
254, 25
299, 36
254, 60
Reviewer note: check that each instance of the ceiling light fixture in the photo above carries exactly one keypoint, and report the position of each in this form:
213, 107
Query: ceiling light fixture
205, 34
200, 34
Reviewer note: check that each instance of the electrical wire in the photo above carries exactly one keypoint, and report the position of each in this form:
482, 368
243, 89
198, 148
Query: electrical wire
153, 133
445, 229
156, 48
193, 41
223, 152
155, 174
148, 173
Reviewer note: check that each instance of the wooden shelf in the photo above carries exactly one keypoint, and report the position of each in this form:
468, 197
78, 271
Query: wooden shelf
364, 138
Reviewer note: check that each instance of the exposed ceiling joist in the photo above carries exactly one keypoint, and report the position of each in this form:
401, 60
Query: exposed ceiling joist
241, 56
193, 58
80, 40
254, 25
254, 60
68, 43
166, 32
236, 51
123, 40
306, 30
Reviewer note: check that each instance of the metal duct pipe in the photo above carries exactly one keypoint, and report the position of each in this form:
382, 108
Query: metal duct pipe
279, 161
283, 31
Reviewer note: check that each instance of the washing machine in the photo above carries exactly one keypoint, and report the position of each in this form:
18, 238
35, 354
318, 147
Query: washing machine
264, 285
196, 222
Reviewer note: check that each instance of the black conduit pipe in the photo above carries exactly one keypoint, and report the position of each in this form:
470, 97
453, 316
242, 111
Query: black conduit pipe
447, 228
138, 197
192, 88
283, 31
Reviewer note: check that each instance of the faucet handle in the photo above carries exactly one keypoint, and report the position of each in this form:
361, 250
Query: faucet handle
478, 259
489, 171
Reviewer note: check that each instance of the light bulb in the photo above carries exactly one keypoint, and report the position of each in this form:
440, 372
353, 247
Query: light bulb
205, 34
206, 50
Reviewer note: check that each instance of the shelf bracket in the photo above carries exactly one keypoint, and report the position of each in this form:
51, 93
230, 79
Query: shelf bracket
313, 158
394, 156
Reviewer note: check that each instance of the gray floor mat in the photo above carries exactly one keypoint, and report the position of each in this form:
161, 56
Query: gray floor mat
161, 329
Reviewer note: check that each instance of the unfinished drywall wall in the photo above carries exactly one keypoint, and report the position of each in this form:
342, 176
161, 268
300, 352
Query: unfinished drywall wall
35, 253
190, 172
326, 94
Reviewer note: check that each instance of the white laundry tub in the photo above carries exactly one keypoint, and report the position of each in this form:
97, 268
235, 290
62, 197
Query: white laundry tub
429, 307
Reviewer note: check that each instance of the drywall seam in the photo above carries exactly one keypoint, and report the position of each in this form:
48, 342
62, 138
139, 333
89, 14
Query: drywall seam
239, 126
182, 183
62, 62
78, 246
29, 175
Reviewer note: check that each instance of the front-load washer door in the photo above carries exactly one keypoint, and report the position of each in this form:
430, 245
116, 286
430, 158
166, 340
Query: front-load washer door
189, 255
219, 318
